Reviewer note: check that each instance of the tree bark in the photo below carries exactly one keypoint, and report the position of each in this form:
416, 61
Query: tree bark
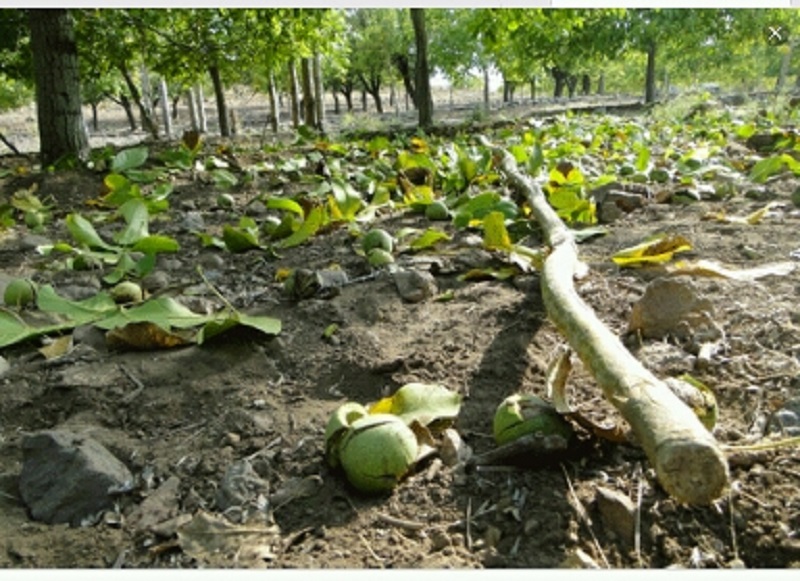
200, 99
423, 78
148, 123
687, 459
166, 116
274, 105
601, 84
62, 130
319, 93
294, 98
650, 81
222, 106
193, 110
309, 108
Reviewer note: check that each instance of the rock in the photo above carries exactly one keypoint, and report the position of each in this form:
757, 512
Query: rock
453, 449
4, 366
155, 281
240, 486
67, 478
618, 513
786, 420
193, 221
160, 507
32, 241
579, 560
671, 306
415, 286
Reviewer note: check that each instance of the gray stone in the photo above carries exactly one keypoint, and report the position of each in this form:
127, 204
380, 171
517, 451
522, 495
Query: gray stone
5, 366
68, 478
240, 486
415, 286
193, 221
618, 513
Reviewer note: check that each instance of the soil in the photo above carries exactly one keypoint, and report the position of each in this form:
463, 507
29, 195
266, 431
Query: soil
190, 413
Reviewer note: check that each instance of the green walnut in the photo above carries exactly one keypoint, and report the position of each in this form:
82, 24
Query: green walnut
338, 425
127, 292
378, 257
437, 210
20, 292
377, 238
523, 414
377, 452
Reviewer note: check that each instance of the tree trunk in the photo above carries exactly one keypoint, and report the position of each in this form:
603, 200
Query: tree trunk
319, 93
586, 84
572, 85
601, 84
401, 63
175, 102
125, 103
58, 91
423, 78
309, 108
165, 112
274, 104
193, 110
363, 100
650, 81
293, 94
95, 121
533, 87
337, 108
200, 100
148, 123
222, 106
560, 82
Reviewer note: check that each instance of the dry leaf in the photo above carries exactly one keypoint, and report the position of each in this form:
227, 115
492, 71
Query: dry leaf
57, 348
144, 336
212, 539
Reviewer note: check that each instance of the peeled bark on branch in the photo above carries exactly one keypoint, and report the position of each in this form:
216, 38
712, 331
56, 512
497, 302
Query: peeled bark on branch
687, 459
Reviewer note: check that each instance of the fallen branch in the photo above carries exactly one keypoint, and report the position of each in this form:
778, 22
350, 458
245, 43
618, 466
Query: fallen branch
687, 459
8, 144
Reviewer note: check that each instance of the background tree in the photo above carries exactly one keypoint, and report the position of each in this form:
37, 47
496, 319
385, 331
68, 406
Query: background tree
62, 130
423, 89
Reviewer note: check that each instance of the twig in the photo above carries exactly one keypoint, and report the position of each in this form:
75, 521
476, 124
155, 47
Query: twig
399, 522
469, 523
637, 535
369, 548
135, 380
759, 446
214, 290
584, 516
537, 444
734, 542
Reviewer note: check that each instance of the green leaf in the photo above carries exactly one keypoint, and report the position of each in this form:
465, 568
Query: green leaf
420, 402
643, 157
285, 204
128, 159
766, 168
239, 239
224, 179
156, 243
428, 238
135, 214
84, 233
308, 228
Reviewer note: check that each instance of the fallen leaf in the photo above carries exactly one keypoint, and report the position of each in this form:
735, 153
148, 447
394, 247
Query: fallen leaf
212, 539
658, 249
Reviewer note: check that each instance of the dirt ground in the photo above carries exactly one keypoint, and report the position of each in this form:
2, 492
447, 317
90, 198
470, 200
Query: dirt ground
190, 413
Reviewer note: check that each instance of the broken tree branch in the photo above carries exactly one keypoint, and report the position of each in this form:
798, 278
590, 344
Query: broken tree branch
687, 459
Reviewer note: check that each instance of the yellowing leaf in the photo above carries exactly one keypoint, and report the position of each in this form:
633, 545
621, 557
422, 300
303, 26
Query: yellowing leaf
144, 336
420, 402
655, 250
712, 269
751, 219
495, 235
57, 348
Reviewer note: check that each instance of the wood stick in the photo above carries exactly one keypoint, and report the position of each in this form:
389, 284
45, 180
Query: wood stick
687, 459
